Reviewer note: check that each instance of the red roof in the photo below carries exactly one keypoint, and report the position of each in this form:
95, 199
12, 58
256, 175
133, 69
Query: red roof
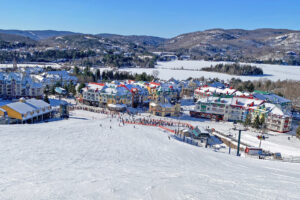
100, 84
154, 83
122, 85
134, 90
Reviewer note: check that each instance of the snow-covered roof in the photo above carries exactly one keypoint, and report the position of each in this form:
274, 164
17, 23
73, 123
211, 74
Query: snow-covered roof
116, 91
2, 110
246, 102
96, 86
153, 104
215, 90
272, 98
53, 76
20, 107
239, 93
166, 105
37, 103
235, 101
218, 85
20, 78
215, 100
273, 109
117, 105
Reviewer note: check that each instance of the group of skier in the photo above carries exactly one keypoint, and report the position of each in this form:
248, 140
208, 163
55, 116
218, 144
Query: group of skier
132, 118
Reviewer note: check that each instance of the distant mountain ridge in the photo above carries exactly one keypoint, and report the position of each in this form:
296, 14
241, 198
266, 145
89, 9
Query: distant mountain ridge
8, 41
38, 34
218, 44
46, 34
238, 44
138, 39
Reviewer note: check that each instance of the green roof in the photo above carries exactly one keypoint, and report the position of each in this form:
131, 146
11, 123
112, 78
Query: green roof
260, 92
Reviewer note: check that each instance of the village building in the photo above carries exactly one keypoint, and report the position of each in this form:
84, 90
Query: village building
16, 85
3, 113
100, 95
188, 87
115, 95
227, 109
50, 78
281, 102
277, 119
168, 90
91, 94
140, 95
207, 91
163, 107
238, 108
27, 111
215, 101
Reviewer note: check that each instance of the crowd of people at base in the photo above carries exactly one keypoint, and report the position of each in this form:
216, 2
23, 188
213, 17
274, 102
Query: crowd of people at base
95, 110
128, 117
154, 122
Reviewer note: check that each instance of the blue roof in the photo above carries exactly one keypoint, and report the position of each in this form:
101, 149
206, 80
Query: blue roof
62, 73
217, 85
272, 98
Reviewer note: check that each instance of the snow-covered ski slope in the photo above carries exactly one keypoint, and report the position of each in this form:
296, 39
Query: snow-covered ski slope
78, 159
186, 69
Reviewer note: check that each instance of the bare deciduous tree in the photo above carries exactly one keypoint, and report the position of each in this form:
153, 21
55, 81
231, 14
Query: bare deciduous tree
155, 73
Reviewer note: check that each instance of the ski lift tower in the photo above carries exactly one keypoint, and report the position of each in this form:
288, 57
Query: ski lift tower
239, 141
63, 110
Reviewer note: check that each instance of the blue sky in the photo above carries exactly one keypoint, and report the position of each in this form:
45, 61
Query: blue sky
165, 18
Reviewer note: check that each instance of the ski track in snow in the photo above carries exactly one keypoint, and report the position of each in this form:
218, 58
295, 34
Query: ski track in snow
77, 159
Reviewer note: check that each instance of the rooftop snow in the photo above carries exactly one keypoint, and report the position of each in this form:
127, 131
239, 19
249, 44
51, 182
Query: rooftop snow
21, 107
37, 103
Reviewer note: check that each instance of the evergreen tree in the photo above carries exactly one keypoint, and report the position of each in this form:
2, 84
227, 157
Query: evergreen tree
76, 70
247, 121
256, 123
262, 121
52, 90
82, 85
98, 75
71, 88
298, 132
46, 99
66, 87
47, 89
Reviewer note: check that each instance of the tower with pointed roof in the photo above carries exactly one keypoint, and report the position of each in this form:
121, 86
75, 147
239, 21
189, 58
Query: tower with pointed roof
15, 66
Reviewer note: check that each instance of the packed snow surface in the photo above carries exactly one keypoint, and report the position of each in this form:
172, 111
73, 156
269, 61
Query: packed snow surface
79, 159
184, 69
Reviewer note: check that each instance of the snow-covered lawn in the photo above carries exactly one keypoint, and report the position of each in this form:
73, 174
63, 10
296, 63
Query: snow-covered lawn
78, 159
193, 69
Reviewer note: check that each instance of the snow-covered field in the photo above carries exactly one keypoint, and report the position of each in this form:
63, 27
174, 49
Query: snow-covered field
54, 65
193, 69
78, 159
